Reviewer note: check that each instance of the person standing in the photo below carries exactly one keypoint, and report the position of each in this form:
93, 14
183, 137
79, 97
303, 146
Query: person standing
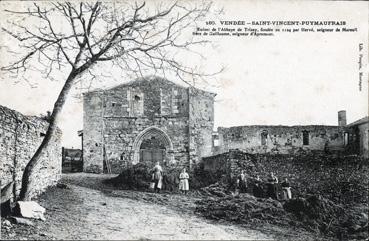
183, 181
258, 190
242, 182
286, 190
158, 177
272, 186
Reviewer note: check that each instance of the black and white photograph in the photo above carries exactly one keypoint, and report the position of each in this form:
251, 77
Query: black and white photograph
184, 120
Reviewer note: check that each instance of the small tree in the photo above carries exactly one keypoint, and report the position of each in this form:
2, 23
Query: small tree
77, 38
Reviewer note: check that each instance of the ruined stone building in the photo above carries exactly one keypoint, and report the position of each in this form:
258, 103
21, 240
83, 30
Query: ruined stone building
146, 120
20, 136
153, 119
278, 139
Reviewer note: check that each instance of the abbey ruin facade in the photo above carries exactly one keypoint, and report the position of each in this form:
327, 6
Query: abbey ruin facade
146, 120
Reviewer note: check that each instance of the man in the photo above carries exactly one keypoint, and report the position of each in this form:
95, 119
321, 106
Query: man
257, 189
272, 186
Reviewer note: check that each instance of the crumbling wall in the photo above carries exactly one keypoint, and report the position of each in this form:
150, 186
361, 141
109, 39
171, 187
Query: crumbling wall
20, 136
280, 139
93, 132
201, 123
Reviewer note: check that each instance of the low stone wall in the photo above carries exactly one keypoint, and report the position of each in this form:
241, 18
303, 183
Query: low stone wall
20, 136
230, 164
338, 177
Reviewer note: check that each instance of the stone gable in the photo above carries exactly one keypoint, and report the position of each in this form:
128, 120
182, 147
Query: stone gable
118, 120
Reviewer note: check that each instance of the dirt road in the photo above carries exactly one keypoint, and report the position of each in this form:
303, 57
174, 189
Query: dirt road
98, 216
83, 213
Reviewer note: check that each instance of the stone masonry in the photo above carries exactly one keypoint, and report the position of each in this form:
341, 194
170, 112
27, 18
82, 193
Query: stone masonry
20, 136
152, 119
146, 120
280, 139
350, 138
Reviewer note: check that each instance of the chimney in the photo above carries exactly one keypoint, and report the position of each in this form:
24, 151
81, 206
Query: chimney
342, 118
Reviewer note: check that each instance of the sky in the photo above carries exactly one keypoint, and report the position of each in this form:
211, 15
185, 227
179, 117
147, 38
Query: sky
286, 79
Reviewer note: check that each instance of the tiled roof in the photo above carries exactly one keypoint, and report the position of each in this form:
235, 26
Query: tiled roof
360, 121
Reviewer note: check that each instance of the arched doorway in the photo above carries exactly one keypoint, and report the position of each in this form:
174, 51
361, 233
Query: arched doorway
152, 145
152, 150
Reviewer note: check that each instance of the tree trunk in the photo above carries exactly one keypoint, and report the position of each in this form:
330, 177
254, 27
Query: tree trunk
28, 171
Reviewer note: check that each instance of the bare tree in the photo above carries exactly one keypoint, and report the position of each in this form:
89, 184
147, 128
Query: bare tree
77, 38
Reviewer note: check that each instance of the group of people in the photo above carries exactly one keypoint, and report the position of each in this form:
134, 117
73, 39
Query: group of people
272, 186
157, 179
258, 186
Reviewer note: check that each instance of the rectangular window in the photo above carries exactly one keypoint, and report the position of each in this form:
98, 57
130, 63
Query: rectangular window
346, 139
138, 104
305, 138
264, 136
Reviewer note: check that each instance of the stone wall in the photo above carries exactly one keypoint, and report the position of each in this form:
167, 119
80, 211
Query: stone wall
228, 165
358, 139
280, 139
201, 117
121, 134
92, 132
20, 136
364, 139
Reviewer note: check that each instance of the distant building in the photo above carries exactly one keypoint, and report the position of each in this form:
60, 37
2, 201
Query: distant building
357, 137
352, 138
146, 120
72, 160
280, 139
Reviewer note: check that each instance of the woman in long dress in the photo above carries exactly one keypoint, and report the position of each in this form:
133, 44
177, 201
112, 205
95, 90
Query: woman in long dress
183, 181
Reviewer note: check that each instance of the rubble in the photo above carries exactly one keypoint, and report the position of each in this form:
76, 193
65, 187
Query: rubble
243, 209
6, 223
19, 220
138, 177
326, 188
62, 185
217, 189
314, 214
30, 209
340, 178
326, 191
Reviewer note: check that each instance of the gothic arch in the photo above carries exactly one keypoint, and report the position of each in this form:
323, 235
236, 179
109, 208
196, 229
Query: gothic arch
158, 133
